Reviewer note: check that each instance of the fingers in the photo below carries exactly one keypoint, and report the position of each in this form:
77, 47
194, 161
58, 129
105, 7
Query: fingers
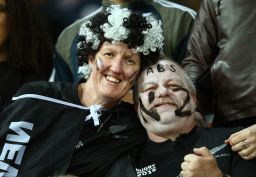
199, 164
203, 151
244, 142
244, 150
238, 137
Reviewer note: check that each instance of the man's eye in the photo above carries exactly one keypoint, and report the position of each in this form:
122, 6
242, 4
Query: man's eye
149, 88
172, 86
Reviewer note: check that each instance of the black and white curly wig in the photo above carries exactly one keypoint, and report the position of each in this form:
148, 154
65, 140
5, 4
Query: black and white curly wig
115, 24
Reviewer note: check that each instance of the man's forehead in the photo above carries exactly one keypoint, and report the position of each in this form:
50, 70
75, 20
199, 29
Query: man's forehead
161, 68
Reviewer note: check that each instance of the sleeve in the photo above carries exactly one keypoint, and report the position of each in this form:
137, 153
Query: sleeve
183, 34
64, 56
62, 69
28, 129
202, 46
241, 167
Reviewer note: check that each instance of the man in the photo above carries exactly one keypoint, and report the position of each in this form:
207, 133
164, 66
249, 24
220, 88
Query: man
166, 102
177, 21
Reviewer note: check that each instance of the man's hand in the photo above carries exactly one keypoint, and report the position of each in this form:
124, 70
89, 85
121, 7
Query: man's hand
200, 164
244, 142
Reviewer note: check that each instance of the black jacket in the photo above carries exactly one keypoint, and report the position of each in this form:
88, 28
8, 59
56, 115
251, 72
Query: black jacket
40, 132
224, 37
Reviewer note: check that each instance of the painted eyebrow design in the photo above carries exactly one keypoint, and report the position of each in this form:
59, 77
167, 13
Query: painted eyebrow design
147, 84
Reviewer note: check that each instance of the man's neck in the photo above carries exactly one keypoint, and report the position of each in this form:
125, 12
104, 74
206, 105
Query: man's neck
171, 136
159, 139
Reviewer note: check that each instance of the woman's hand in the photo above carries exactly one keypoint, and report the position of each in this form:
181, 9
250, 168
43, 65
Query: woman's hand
244, 142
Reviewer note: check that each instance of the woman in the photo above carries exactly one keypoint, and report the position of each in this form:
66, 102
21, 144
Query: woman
25, 48
81, 129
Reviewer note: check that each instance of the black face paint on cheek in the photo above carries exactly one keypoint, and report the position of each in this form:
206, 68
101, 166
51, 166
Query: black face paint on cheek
152, 114
178, 111
151, 97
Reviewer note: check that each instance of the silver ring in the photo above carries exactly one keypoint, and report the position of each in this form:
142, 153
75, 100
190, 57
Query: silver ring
243, 145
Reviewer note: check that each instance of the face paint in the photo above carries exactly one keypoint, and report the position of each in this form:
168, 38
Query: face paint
151, 97
99, 64
152, 114
179, 112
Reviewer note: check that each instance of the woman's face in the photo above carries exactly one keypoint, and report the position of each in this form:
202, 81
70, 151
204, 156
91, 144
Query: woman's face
114, 70
3, 23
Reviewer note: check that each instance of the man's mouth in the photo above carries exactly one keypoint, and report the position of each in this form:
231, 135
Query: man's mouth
165, 104
112, 79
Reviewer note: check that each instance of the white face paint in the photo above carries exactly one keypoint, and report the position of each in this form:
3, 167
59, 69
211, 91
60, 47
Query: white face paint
167, 103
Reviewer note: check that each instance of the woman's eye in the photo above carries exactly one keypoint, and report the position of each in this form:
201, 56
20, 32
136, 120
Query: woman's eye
108, 54
130, 61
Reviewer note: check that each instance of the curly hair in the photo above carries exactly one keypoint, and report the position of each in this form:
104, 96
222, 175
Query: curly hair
29, 47
135, 23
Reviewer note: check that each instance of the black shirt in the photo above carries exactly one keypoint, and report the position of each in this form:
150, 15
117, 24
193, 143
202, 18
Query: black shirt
164, 159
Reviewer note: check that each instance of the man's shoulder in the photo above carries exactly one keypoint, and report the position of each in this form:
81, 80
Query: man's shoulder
220, 132
164, 6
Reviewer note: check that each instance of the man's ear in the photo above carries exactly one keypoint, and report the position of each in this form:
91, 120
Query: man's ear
193, 97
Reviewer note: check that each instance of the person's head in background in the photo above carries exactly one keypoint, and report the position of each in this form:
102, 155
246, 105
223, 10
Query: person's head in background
24, 40
165, 99
112, 47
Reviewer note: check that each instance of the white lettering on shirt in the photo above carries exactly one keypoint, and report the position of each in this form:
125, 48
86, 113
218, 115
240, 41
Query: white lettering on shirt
146, 170
15, 148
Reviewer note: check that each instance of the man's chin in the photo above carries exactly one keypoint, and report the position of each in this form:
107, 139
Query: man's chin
167, 108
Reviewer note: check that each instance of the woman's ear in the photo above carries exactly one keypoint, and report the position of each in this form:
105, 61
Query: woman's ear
90, 60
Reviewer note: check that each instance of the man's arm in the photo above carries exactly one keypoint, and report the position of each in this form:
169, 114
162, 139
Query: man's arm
202, 46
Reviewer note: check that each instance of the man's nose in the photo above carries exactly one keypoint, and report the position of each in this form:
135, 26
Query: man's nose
162, 91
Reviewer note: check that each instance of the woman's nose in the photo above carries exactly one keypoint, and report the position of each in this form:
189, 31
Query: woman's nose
116, 66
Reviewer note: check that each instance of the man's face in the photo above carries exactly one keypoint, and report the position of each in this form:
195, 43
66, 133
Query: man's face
114, 70
165, 104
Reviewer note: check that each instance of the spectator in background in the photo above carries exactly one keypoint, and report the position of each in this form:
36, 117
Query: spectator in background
58, 14
177, 21
25, 48
193, 4
222, 46
222, 40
